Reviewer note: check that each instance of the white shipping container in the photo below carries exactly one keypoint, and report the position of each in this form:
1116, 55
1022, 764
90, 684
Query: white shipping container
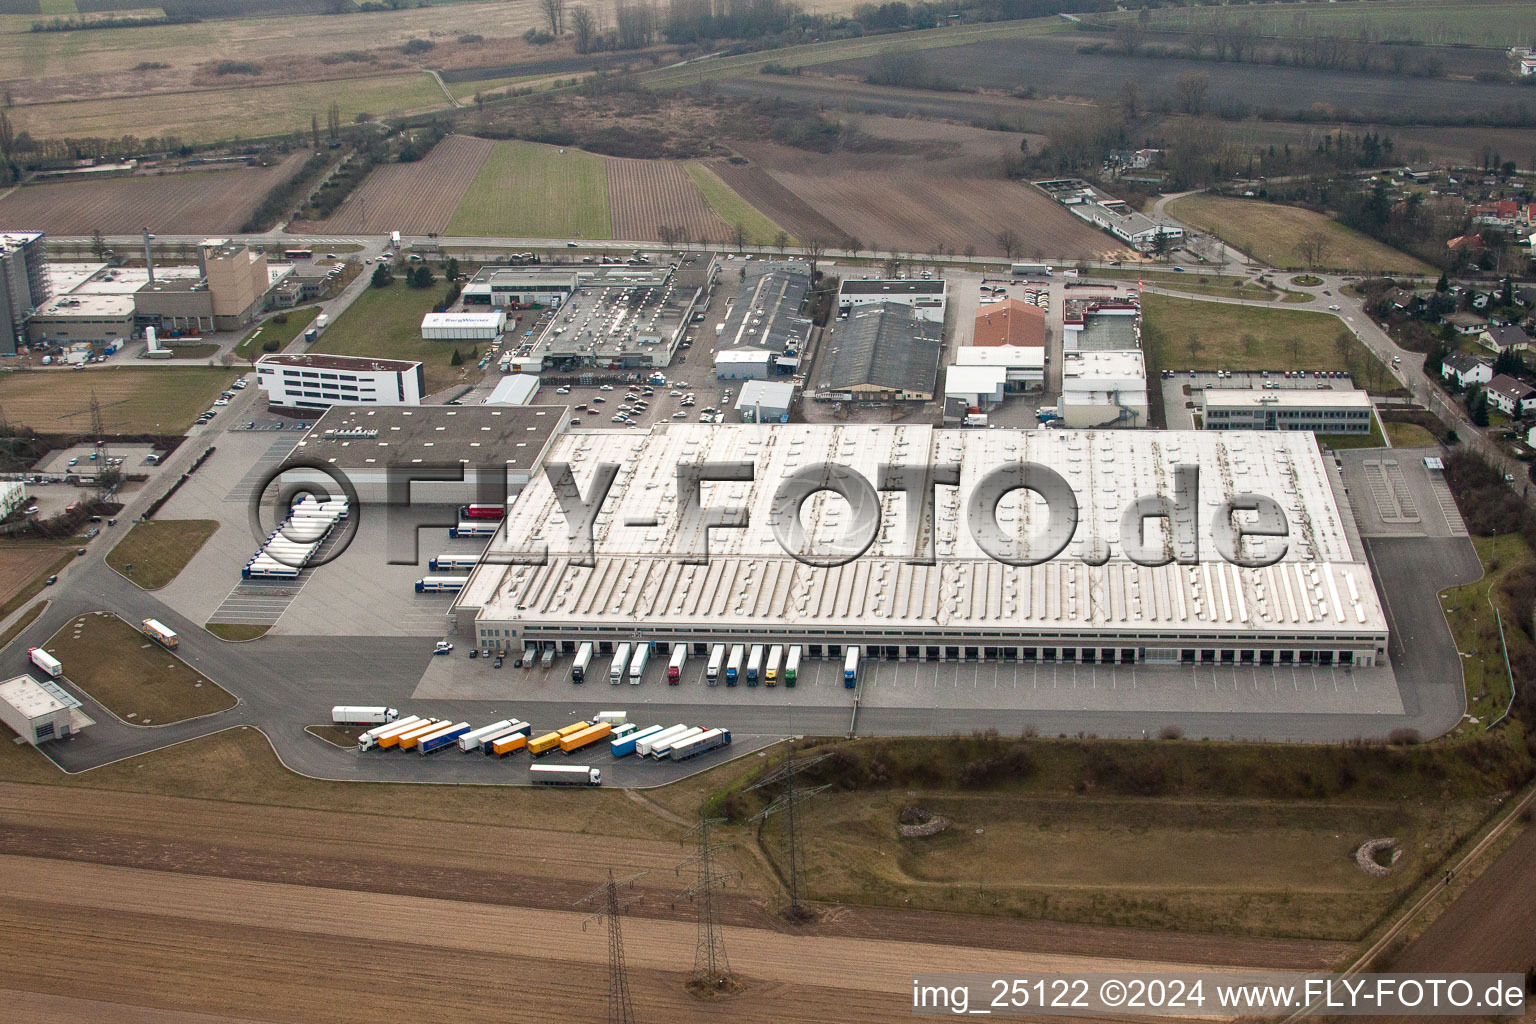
472, 739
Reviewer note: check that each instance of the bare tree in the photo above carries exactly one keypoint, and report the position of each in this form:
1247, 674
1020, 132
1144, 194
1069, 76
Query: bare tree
738, 236
1194, 343
1294, 343
554, 13
583, 28
781, 241
1190, 91
1008, 240
815, 246
333, 121
1311, 248
1250, 343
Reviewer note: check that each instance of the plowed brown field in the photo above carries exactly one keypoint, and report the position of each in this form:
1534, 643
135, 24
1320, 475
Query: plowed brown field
183, 203
782, 206
646, 195
417, 198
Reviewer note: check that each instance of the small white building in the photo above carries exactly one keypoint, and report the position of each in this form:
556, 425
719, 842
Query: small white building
316, 381
1103, 389
981, 386
744, 364
39, 712
515, 389
765, 401
1466, 369
1510, 396
13, 495
1323, 412
928, 298
463, 326
1025, 364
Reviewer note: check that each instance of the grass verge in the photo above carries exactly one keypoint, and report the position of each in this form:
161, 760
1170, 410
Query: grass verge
1275, 234
14, 629
733, 209
154, 553
282, 328
1341, 441
343, 736
237, 631
35, 585
1410, 435
130, 675
1469, 610
386, 322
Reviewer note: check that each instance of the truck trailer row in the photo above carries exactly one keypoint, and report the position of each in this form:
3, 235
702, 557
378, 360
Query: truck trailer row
754, 664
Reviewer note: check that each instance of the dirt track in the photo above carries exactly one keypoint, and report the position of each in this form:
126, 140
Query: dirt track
274, 951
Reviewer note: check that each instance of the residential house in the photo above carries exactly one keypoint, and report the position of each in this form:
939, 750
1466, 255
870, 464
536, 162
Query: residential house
1504, 214
1466, 369
1466, 243
1504, 338
1420, 175
1511, 397
1468, 324
1401, 300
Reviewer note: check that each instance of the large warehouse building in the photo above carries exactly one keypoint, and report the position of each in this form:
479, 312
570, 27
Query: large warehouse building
649, 580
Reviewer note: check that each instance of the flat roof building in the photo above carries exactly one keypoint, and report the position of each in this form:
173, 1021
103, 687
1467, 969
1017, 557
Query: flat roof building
519, 287
882, 352
365, 441
514, 389
1011, 323
928, 298
656, 575
1092, 326
617, 318
463, 326
979, 386
1025, 366
40, 711
1324, 412
316, 381
767, 316
765, 401
1103, 389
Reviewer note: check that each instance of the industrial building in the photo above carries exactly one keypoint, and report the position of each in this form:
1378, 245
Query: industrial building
882, 352
315, 381
978, 386
13, 495
1096, 326
655, 574
617, 318
520, 287
1009, 323
1325, 412
514, 389
765, 401
928, 298
1103, 389
463, 326
1113, 215
40, 711
765, 330
363, 442
1024, 366
24, 284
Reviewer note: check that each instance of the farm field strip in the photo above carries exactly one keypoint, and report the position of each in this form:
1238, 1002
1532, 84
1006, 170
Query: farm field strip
646, 195
529, 190
417, 198
733, 208
181, 203
213, 114
1439, 22
760, 190
132, 399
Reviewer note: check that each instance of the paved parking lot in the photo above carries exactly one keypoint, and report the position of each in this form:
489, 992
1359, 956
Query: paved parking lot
1395, 495
974, 685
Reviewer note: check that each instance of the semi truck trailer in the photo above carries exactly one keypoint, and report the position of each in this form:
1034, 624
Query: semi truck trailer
851, 667
712, 739
373, 737
472, 739
637, 663
659, 750
475, 528
347, 714
565, 775
435, 741
586, 737
754, 664
716, 665
675, 665
775, 662
407, 740
507, 744
734, 665
583, 660
51, 666
792, 666
160, 633
644, 746
522, 729
619, 663
623, 746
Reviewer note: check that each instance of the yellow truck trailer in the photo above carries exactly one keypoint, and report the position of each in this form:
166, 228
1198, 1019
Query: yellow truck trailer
591, 734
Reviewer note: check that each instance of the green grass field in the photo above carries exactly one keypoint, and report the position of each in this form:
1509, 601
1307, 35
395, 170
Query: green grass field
131, 675
158, 550
733, 209
1271, 233
1410, 435
1180, 334
294, 322
1469, 610
163, 400
1477, 22
386, 322
527, 190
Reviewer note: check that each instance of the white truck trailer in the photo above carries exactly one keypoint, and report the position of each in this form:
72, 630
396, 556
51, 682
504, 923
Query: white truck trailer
637, 664
659, 750
349, 714
565, 775
619, 663
472, 739
51, 666
645, 745
374, 737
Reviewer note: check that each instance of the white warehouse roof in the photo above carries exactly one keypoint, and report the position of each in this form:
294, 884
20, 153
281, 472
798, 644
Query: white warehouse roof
516, 389
1254, 398
483, 321
1321, 586
975, 380
1017, 357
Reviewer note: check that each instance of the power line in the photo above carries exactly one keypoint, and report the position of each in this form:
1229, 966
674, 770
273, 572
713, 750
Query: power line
621, 1009
786, 776
711, 966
